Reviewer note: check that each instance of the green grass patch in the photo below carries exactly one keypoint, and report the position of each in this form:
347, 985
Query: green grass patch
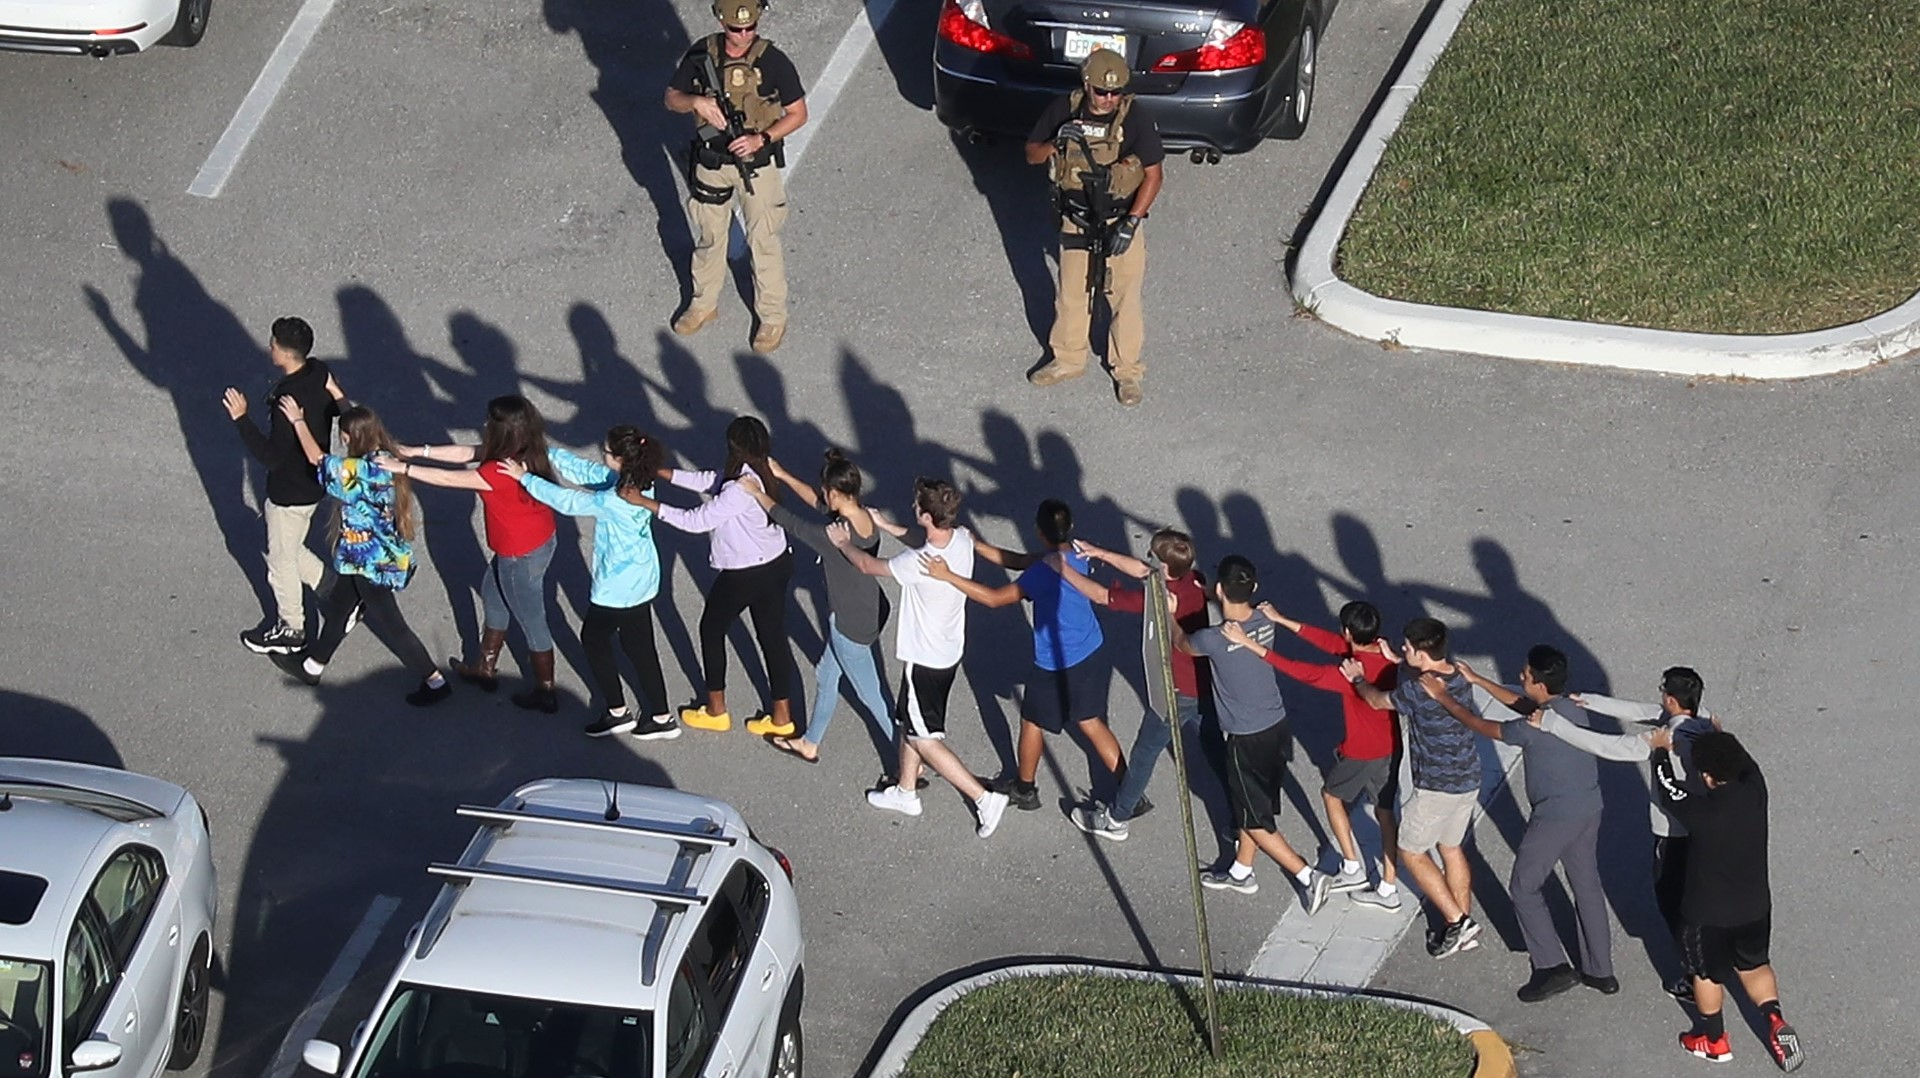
1076, 1026
1743, 166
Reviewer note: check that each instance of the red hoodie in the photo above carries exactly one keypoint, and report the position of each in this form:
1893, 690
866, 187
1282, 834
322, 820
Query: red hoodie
1371, 732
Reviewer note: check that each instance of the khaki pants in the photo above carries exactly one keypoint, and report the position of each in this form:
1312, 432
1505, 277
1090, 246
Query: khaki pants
1072, 321
291, 564
765, 212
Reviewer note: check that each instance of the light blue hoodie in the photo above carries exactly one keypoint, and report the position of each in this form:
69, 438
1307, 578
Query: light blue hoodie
626, 567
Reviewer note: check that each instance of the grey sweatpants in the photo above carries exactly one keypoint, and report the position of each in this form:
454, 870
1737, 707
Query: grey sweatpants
1573, 844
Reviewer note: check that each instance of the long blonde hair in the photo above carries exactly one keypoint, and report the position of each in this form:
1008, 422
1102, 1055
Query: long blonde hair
365, 435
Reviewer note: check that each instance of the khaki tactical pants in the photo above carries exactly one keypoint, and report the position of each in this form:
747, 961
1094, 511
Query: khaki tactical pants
765, 212
1072, 321
291, 564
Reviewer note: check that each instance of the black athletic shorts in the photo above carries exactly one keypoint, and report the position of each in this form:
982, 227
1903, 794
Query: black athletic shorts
1055, 698
922, 710
1350, 780
1718, 954
1256, 770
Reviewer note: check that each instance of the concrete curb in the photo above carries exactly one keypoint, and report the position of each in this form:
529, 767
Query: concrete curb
1493, 1059
1883, 337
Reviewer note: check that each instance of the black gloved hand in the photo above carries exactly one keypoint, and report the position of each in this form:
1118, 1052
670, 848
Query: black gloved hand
1122, 236
1071, 131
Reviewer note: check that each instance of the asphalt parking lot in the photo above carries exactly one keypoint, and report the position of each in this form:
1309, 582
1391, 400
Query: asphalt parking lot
470, 199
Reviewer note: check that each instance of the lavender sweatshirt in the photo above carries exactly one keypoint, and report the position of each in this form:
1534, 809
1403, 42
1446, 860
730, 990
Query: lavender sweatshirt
741, 535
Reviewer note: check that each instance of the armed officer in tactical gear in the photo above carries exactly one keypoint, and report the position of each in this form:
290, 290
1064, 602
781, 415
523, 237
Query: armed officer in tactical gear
747, 97
1103, 154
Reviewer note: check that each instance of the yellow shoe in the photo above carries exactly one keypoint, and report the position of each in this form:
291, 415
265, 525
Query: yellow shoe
766, 727
701, 719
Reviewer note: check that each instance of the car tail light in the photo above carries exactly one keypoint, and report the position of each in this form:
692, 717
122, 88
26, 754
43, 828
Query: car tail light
966, 26
1229, 46
122, 30
786, 866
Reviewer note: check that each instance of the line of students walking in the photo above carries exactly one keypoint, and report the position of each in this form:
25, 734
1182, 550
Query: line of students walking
1709, 796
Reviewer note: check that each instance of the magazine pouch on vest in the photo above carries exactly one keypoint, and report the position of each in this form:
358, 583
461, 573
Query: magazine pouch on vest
1069, 168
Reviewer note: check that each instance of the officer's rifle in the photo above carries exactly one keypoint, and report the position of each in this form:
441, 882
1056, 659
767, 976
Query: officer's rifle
736, 124
1094, 183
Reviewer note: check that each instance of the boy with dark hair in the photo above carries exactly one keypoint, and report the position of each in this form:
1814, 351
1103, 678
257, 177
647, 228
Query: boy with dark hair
1174, 550
929, 639
293, 487
1253, 716
1727, 901
1438, 812
1367, 763
1068, 680
1563, 827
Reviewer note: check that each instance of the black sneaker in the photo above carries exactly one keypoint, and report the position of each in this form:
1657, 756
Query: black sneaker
659, 729
1453, 939
427, 695
608, 724
885, 781
1680, 988
1024, 796
1547, 983
294, 666
1141, 809
276, 639
1606, 986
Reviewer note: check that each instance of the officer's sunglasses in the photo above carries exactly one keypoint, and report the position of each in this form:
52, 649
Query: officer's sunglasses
743, 29
1106, 93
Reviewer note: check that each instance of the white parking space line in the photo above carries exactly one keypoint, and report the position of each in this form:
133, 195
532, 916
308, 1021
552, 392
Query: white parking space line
307, 1026
253, 108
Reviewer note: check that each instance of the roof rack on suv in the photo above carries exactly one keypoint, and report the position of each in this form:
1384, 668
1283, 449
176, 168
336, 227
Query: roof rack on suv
695, 839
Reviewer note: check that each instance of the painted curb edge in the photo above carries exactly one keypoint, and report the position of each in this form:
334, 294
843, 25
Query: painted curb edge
1493, 1058
1319, 289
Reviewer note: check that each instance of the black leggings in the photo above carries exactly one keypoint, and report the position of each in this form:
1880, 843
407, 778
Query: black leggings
381, 610
761, 591
634, 626
1669, 879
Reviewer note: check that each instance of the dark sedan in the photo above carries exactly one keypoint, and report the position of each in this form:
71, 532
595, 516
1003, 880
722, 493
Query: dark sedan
1217, 80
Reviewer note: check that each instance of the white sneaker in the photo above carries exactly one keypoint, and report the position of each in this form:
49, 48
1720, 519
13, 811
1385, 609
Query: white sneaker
894, 799
1313, 893
1349, 881
991, 807
1373, 897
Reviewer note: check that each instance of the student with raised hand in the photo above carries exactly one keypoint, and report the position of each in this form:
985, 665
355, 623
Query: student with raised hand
856, 607
626, 572
373, 556
1366, 764
520, 533
753, 570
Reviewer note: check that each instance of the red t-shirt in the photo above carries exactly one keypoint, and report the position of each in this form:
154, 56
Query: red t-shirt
516, 524
1189, 610
1371, 732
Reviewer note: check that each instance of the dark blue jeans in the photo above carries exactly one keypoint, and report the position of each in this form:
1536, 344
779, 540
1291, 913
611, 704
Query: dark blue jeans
1154, 738
515, 589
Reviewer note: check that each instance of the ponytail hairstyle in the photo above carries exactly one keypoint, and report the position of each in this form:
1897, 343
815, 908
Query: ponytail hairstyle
364, 436
748, 446
840, 475
515, 431
640, 457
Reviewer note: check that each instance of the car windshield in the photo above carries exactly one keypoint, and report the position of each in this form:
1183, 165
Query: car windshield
26, 1001
442, 1033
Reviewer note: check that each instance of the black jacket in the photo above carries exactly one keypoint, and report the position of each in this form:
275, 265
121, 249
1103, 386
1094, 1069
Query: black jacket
1726, 881
290, 479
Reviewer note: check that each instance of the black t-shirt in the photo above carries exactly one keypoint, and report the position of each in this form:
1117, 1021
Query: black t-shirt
777, 73
1138, 138
290, 478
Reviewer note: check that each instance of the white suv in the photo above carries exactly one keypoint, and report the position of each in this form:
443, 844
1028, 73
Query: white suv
595, 930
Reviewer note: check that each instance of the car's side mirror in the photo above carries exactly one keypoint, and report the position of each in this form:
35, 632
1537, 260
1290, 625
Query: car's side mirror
94, 1055
323, 1056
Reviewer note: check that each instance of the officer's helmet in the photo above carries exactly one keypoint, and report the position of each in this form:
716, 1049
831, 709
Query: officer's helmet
1103, 69
738, 13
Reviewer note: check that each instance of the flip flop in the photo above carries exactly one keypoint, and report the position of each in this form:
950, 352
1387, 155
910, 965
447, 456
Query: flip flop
785, 745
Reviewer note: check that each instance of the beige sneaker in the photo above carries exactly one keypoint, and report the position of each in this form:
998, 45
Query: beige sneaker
1129, 392
692, 321
1053, 374
769, 338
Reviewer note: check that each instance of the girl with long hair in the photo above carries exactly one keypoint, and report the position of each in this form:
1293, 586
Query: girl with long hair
519, 532
856, 607
373, 556
626, 571
754, 568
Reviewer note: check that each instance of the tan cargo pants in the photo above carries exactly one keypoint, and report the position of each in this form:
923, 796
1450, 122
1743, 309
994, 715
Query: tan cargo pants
1072, 321
765, 212
292, 566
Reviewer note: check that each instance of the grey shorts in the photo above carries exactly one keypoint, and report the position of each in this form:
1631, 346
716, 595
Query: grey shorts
1429, 818
1348, 781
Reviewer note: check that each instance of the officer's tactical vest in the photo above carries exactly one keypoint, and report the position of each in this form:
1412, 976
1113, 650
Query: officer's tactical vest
1103, 142
740, 82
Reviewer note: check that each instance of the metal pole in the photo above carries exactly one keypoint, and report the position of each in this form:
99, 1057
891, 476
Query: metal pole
1158, 645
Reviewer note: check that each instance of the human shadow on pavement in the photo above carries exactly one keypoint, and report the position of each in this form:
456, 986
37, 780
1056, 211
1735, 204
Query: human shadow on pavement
192, 347
365, 802
905, 33
1016, 194
50, 730
635, 49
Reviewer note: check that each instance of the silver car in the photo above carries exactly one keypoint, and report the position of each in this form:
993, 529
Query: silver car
107, 908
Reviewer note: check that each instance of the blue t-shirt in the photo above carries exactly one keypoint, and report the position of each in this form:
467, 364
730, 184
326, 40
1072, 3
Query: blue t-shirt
1065, 630
1445, 757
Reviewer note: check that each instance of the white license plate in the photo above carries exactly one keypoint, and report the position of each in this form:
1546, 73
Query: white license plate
1081, 44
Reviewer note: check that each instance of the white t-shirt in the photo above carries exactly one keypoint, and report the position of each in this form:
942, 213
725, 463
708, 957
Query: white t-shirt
933, 613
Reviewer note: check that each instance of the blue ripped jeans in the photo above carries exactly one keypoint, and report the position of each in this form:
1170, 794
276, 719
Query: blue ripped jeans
1154, 738
857, 663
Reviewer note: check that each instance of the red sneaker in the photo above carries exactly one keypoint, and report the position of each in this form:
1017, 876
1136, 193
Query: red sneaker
1713, 1050
1784, 1043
